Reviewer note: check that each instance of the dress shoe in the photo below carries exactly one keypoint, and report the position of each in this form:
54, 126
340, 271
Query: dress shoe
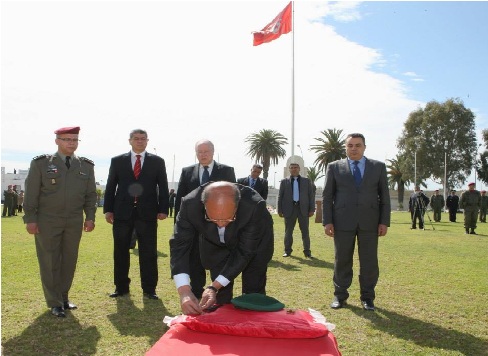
58, 311
118, 294
69, 306
338, 303
286, 254
367, 304
152, 295
473, 232
308, 255
467, 232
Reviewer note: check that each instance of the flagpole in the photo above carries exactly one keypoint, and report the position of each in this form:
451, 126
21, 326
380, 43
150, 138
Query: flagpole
292, 79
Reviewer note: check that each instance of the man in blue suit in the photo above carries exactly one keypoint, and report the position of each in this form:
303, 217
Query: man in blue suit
136, 197
356, 205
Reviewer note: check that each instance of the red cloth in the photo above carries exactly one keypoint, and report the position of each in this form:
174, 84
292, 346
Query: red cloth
179, 340
280, 25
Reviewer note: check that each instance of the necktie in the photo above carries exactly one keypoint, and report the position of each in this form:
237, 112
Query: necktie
357, 174
137, 166
296, 193
205, 175
253, 181
68, 164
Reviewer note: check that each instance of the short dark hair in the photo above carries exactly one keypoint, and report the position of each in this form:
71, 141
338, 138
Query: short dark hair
356, 135
137, 131
257, 166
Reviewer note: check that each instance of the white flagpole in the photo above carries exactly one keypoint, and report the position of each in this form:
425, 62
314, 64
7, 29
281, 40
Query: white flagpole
293, 79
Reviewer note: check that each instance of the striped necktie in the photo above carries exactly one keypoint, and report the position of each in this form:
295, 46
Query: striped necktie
137, 166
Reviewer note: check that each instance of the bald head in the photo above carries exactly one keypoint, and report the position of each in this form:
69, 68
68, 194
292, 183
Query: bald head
221, 200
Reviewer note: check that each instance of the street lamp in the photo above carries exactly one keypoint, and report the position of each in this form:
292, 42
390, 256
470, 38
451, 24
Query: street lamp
476, 164
274, 180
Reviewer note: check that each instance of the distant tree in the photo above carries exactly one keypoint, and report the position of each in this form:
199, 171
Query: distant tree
482, 163
331, 148
266, 147
314, 174
431, 132
396, 179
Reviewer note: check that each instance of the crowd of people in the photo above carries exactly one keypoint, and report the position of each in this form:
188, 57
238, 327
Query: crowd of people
221, 224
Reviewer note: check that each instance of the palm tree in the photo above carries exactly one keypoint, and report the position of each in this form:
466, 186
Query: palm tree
330, 149
314, 174
395, 178
265, 147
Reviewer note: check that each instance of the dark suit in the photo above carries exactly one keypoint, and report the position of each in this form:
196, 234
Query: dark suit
293, 212
356, 212
261, 185
248, 246
151, 189
190, 180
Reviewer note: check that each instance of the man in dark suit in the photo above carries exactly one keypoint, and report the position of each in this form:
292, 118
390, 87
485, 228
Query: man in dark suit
452, 203
417, 205
356, 204
136, 196
296, 201
260, 185
235, 232
206, 170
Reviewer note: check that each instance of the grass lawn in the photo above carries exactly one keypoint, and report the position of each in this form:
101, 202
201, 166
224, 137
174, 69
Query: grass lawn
432, 296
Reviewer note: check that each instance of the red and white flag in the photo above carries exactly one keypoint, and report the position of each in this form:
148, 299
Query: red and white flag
279, 26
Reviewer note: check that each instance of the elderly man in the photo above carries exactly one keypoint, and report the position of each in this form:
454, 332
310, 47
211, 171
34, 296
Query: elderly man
235, 233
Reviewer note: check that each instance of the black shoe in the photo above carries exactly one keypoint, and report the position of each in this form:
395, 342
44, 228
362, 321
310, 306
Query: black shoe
69, 306
467, 232
338, 303
413, 228
308, 255
152, 295
118, 294
472, 232
287, 254
58, 311
367, 304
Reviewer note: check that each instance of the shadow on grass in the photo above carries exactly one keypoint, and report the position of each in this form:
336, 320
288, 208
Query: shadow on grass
315, 262
135, 252
423, 333
145, 322
65, 335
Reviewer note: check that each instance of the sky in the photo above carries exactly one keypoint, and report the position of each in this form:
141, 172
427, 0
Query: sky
187, 70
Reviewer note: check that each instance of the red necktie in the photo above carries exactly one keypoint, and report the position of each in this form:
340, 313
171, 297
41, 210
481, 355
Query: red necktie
137, 166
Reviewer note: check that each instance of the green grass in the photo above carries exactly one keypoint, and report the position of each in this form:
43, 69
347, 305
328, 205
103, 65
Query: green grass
432, 295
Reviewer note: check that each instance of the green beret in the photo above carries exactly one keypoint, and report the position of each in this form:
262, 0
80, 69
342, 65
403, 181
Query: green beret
257, 301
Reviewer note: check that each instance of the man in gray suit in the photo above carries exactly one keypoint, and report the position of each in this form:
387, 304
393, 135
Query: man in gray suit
296, 201
356, 204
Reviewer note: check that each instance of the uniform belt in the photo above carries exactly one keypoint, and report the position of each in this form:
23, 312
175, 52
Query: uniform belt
296, 203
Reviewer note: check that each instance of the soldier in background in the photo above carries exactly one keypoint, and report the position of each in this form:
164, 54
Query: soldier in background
484, 206
437, 203
58, 189
470, 201
417, 204
8, 201
452, 204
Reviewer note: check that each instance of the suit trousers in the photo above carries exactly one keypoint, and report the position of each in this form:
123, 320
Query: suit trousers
303, 223
57, 247
417, 214
146, 231
344, 243
452, 215
437, 214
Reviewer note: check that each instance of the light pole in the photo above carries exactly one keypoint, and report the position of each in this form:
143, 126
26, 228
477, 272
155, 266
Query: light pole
274, 180
476, 164
445, 170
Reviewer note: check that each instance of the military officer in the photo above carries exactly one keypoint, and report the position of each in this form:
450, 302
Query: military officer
484, 206
470, 201
437, 203
8, 201
59, 188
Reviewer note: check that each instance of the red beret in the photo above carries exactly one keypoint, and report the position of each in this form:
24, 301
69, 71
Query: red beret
437, 190
68, 130
470, 184
483, 191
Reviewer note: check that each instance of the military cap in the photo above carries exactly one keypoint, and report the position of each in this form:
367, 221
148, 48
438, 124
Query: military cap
483, 191
470, 184
257, 301
68, 130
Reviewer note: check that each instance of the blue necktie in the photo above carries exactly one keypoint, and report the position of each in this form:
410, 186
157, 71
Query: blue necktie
357, 174
205, 175
253, 181
296, 193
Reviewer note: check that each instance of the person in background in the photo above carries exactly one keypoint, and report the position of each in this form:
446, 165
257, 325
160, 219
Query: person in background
452, 203
483, 206
260, 185
59, 188
20, 201
417, 205
172, 198
356, 203
470, 202
437, 203
136, 197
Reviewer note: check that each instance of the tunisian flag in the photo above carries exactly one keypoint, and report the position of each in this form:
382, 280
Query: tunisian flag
280, 25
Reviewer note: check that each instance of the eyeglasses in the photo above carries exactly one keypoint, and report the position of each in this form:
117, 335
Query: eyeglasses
216, 221
75, 140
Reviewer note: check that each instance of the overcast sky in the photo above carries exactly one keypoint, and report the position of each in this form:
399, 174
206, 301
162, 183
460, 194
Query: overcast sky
188, 70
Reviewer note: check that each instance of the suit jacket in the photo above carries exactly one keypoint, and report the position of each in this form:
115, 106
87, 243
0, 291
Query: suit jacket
151, 188
349, 207
261, 186
249, 235
190, 180
285, 197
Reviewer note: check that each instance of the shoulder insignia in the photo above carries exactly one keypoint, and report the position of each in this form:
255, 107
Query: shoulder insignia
87, 160
41, 156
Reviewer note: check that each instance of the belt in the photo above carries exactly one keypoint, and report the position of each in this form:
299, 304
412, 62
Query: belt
296, 203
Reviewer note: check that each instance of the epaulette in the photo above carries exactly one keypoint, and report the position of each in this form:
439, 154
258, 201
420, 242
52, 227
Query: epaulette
41, 156
87, 160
